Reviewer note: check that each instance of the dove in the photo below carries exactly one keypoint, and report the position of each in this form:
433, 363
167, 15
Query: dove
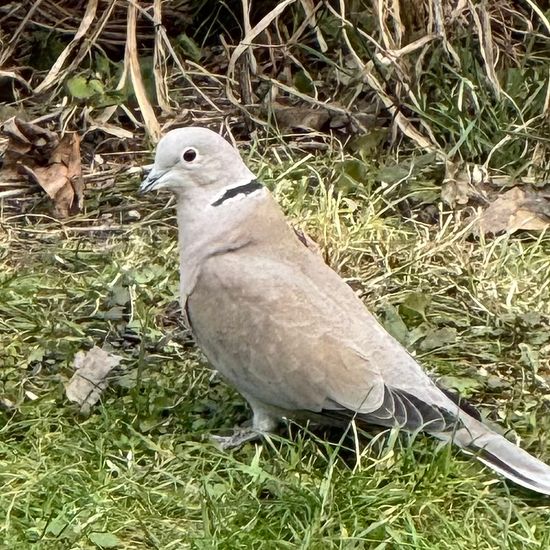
285, 329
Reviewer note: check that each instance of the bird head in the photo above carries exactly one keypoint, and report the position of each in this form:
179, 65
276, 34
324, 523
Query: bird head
194, 157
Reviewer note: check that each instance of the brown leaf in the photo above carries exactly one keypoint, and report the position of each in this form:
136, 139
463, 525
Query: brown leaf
516, 209
52, 163
27, 138
508, 207
464, 183
51, 178
90, 377
299, 117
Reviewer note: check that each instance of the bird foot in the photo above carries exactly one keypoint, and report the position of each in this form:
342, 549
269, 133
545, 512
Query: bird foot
239, 438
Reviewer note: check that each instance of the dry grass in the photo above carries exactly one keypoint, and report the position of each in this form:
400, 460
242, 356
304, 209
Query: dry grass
140, 471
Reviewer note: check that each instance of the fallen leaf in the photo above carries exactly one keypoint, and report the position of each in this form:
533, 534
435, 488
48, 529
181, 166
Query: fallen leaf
507, 206
62, 177
27, 138
104, 540
438, 338
394, 324
51, 162
57, 525
90, 377
464, 183
516, 209
292, 117
415, 305
495, 382
462, 384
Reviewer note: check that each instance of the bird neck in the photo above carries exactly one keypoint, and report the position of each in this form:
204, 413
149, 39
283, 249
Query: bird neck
214, 218
233, 218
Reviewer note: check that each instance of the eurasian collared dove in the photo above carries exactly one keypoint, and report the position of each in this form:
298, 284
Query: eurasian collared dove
283, 328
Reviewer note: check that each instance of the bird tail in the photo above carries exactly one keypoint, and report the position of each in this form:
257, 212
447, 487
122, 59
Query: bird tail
501, 455
443, 416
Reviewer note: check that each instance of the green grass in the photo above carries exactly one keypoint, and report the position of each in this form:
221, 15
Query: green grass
140, 471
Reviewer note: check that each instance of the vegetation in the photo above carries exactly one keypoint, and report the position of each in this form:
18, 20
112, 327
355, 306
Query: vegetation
360, 118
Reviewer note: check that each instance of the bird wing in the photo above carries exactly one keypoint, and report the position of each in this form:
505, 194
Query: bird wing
288, 331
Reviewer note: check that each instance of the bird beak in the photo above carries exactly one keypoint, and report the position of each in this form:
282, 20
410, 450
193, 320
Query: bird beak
151, 181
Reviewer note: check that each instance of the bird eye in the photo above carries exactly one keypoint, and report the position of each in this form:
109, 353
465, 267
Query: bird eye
189, 155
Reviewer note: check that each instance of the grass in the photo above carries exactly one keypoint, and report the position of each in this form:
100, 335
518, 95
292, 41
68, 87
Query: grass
140, 472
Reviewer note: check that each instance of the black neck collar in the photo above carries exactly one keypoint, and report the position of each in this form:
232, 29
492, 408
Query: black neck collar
245, 189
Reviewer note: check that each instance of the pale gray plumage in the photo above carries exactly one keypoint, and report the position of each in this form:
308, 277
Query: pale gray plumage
283, 328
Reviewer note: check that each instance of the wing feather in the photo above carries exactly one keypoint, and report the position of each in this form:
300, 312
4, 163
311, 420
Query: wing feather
289, 332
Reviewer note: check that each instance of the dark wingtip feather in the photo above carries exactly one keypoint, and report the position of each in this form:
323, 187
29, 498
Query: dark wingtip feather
461, 403
490, 458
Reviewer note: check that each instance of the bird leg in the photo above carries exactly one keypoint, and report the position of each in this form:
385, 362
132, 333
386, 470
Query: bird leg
239, 437
263, 422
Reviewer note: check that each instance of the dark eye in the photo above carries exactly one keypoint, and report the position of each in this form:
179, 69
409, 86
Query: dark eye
189, 155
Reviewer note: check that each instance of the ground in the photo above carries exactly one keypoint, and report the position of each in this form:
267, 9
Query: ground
139, 471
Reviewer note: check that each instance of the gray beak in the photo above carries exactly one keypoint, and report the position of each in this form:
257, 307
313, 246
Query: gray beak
148, 184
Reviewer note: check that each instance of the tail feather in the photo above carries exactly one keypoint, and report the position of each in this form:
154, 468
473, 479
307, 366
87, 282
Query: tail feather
449, 418
502, 455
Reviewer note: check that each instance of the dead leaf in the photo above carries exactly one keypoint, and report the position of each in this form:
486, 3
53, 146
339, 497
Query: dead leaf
90, 378
438, 338
463, 183
304, 117
53, 163
415, 305
394, 324
508, 207
516, 209
463, 385
27, 138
